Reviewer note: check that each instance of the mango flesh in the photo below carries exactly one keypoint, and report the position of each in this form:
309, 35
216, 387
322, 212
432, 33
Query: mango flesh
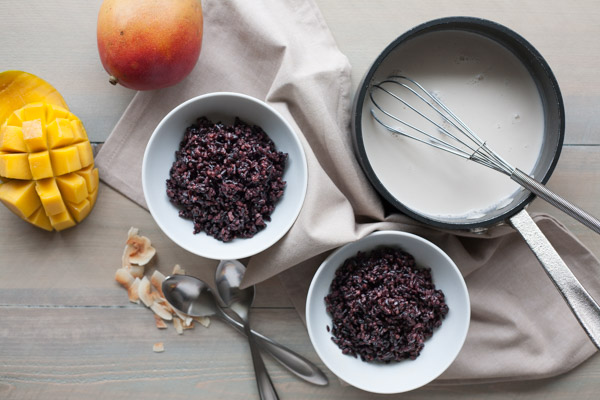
20, 197
47, 167
18, 88
149, 44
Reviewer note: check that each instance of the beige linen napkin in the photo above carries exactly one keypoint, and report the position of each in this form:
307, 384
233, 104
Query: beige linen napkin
520, 326
282, 52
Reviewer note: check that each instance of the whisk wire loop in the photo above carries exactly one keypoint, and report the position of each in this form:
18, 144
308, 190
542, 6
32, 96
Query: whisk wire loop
468, 145
431, 140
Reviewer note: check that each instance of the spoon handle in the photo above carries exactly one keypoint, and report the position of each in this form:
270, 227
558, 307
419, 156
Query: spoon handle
266, 390
294, 362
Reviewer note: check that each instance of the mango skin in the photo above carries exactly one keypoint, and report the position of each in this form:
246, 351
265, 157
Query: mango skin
149, 44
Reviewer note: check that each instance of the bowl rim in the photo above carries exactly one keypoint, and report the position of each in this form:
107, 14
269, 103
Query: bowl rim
302, 161
466, 317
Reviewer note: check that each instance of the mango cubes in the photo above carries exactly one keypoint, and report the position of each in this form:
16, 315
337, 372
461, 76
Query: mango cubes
47, 167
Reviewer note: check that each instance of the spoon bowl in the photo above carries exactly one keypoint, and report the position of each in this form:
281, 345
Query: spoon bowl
193, 297
190, 295
228, 278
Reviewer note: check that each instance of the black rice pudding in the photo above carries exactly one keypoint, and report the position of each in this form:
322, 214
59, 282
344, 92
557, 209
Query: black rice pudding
383, 306
226, 178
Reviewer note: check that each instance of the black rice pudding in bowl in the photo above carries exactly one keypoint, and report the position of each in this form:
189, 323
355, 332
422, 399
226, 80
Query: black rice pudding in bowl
388, 313
224, 175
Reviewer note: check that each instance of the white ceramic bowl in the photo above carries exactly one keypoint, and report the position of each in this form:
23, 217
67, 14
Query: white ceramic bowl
440, 350
160, 155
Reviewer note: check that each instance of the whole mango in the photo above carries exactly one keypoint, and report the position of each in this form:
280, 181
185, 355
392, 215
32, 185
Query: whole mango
47, 168
149, 44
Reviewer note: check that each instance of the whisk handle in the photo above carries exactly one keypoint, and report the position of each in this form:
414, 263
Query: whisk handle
544, 193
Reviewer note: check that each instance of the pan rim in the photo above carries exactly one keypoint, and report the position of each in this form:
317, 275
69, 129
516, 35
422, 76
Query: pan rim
477, 26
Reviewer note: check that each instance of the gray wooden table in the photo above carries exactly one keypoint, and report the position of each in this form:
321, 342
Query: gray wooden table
67, 330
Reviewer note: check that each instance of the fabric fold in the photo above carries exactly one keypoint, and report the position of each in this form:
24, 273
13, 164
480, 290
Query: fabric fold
283, 53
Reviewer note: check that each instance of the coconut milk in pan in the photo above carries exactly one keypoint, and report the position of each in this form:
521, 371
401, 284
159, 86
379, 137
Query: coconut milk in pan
486, 86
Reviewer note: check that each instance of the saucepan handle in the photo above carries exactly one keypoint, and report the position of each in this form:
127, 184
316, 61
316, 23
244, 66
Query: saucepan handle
583, 306
546, 194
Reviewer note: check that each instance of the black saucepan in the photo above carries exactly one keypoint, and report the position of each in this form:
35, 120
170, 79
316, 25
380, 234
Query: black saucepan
583, 306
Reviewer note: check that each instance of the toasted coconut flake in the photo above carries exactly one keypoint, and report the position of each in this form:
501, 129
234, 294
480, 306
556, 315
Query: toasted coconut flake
204, 321
157, 298
160, 323
179, 314
137, 271
161, 311
177, 270
162, 301
139, 250
168, 306
186, 320
125, 263
157, 279
158, 347
145, 292
148, 290
178, 325
132, 232
190, 326
124, 277
133, 291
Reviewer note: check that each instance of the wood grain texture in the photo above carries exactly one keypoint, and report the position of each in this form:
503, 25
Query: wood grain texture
77, 266
56, 40
67, 330
49, 353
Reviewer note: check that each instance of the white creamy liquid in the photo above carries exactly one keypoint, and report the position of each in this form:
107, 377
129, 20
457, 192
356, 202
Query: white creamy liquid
486, 86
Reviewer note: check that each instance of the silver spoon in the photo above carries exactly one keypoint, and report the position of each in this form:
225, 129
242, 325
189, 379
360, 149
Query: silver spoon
193, 297
228, 279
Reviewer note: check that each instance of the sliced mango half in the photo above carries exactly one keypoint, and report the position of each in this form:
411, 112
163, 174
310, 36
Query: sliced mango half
47, 166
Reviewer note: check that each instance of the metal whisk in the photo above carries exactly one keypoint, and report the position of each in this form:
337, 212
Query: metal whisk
454, 136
